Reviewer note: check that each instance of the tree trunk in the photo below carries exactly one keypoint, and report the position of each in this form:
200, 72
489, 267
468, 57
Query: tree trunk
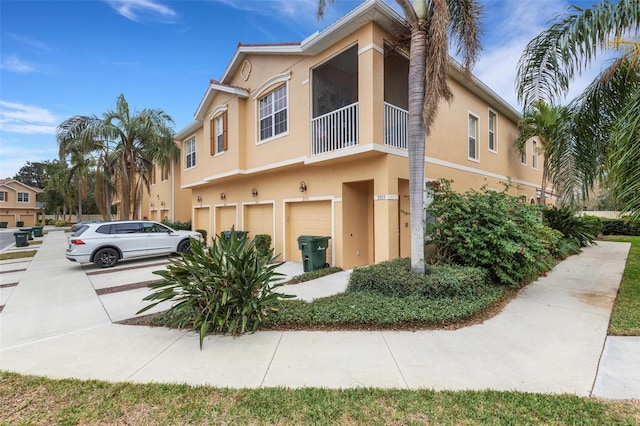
417, 68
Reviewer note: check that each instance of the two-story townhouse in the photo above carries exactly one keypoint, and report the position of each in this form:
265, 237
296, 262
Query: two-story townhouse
311, 139
167, 201
18, 203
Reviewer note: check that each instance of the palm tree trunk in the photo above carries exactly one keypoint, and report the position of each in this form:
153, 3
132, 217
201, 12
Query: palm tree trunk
417, 68
543, 190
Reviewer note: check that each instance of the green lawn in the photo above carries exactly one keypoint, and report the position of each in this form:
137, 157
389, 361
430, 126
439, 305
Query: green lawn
625, 318
17, 254
34, 400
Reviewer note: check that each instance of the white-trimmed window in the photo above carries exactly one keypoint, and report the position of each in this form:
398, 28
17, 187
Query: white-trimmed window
23, 197
523, 155
190, 153
165, 172
534, 154
493, 141
273, 114
221, 132
3, 196
473, 137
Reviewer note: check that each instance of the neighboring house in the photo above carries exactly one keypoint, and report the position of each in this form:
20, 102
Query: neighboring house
18, 203
311, 139
167, 200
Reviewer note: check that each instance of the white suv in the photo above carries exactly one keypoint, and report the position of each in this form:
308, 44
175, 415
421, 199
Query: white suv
106, 243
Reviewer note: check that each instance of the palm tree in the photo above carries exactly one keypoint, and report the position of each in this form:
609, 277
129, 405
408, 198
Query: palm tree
606, 129
127, 145
550, 126
431, 24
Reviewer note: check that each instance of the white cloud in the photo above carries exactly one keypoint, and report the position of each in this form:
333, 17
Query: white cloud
27, 119
31, 42
299, 12
143, 10
14, 64
510, 26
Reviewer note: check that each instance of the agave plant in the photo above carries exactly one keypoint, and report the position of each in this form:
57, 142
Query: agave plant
227, 287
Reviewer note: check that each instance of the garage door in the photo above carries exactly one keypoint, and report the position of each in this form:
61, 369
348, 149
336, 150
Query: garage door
308, 218
258, 219
28, 219
226, 218
9, 218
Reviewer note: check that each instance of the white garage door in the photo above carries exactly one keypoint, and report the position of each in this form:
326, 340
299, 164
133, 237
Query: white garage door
307, 218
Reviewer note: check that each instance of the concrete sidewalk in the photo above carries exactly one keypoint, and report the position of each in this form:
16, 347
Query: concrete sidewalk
57, 322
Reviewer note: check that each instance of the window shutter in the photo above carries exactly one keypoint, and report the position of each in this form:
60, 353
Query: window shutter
212, 137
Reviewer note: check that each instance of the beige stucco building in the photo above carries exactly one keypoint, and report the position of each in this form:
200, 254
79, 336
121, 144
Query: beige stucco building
18, 203
310, 139
166, 200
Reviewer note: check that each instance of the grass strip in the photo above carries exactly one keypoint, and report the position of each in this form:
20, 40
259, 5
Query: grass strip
17, 254
36, 400
625, 318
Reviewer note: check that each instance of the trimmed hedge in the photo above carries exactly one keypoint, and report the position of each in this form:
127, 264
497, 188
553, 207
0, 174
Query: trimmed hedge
395, 279
619, 227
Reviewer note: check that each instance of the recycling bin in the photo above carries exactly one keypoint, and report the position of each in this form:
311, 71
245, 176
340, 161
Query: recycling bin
22, 238
29, 232
240, 235
37, 231
314, 252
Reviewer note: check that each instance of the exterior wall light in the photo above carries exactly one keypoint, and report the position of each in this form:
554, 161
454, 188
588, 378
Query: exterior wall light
303, 186
199, 199
223, 196
254, 192
162, 203
151, 204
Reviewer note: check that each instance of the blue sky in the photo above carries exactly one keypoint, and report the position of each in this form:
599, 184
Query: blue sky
63, 58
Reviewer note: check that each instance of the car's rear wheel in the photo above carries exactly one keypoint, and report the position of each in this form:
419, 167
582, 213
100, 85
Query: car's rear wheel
185, 247
106, 257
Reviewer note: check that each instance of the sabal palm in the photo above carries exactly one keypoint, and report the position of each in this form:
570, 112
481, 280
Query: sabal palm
432, 23
127, 146
607, 134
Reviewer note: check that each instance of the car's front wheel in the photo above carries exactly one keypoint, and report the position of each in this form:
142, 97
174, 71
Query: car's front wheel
185, 247
106, 257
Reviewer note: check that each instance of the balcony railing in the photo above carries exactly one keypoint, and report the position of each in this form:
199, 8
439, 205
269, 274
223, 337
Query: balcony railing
396, 132
335, 130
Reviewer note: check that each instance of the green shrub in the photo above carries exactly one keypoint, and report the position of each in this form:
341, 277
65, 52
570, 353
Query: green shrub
394, 278
595, 223
620, 227
366, 309
491, 230
226, 287
178, 226
60, 223
390, 278
574, 228
263, 245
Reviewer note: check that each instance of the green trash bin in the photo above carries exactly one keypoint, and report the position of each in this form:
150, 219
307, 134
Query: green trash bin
29, 232
240, 235
37, 231
314, 252
22, 238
